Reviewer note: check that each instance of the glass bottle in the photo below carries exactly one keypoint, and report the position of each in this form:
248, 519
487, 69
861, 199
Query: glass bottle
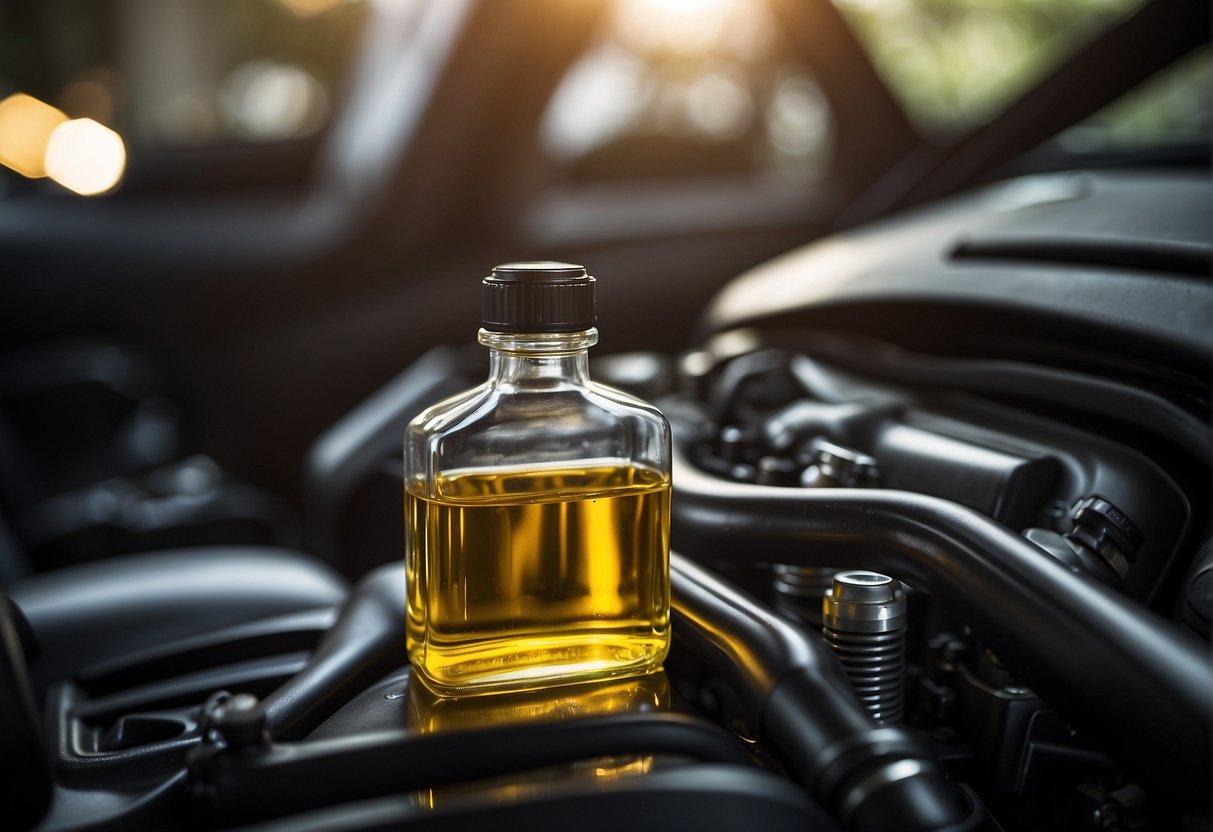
537, 506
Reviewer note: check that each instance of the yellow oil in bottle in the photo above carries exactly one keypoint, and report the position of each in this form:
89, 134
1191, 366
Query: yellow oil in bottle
523, 577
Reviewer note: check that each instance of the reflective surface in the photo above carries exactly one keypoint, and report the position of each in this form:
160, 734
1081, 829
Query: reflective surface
427, 713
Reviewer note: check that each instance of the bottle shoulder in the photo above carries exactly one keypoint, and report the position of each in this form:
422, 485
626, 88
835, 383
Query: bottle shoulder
488, 405
619, 398
490, 426
441, 415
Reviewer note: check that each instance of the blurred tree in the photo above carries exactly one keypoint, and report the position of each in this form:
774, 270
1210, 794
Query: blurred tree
956, 63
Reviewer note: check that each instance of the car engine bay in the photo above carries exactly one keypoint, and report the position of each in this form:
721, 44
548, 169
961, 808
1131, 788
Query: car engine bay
998, 402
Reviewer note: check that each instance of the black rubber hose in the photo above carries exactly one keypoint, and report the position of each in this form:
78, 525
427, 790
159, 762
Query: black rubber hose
239, 788
365, 644
803, 706
1123, 676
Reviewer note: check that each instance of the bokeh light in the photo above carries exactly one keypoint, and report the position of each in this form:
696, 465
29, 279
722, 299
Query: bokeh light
85, 156
798, 121
689, 86
267, 100
719, 105
26, 125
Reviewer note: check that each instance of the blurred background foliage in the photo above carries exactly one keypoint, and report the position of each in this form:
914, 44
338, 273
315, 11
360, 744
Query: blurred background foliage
1171, 108
956, 63
678, 86
670, 87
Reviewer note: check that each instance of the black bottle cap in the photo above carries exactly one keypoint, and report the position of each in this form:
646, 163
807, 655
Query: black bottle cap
539, 296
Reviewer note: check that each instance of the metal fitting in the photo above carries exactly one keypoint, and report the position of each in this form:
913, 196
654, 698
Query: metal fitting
864, 622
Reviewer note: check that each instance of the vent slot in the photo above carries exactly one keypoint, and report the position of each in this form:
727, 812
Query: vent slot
1190, 259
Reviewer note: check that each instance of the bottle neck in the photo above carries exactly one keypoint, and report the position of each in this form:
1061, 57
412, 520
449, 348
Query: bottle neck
540, 360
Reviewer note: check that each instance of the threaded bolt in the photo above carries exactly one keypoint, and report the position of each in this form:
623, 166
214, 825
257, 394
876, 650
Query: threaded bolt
864, 622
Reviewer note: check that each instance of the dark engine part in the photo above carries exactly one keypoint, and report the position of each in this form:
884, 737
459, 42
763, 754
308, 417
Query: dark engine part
246, 784
795, 692
332, 718
750, 499
1102, 542
364, 644
801, 702
1072, 640
776, 417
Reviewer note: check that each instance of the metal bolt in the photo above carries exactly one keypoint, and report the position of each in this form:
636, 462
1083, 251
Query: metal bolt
864, 622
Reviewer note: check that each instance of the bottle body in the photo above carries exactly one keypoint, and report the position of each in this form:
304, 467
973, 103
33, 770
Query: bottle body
536, 525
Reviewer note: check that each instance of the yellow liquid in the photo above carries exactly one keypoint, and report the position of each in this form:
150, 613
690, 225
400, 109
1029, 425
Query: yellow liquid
520, 578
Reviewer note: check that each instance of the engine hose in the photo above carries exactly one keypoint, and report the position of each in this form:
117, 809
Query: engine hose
872, 778
235, 787
364, 644
1123, 676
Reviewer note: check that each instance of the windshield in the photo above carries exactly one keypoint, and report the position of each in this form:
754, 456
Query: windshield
668, 87
954, 64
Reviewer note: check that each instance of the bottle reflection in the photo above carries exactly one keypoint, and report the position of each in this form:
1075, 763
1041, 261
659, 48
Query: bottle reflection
427, 713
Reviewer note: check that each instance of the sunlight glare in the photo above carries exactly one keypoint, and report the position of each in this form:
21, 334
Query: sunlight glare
270, 101
692, 26
719, 105
309, 8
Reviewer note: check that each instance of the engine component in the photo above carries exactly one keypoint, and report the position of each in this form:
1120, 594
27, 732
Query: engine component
804, 420
1106, 530
873, 778
1074, 555
1198, 599
235, 787
235, 722
833, 466
864, 622
800, 589
1068, 638
1102, 543
361, 647
759, 379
